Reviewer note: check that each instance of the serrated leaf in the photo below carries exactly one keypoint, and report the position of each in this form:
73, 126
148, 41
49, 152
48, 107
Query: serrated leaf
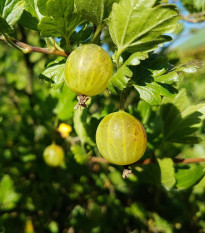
158, 66
120, 79
168, 78
66, 103
8, 196
29, 21
135, 58
32, 8
138, 26
11, 10
167, 172
31, 16
144, 77
94, 11
82, 35
148, 94
163, 90
108, 7
174, 74
187, 176
180, 124
54, 72
61, 20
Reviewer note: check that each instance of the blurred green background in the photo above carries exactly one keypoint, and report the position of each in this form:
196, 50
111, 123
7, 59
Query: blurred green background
84, 196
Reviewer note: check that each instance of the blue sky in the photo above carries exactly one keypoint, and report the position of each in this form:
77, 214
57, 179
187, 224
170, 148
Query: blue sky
186, 34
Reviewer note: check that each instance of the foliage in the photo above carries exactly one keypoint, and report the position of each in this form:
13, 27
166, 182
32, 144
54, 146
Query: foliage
83, 195
194, 5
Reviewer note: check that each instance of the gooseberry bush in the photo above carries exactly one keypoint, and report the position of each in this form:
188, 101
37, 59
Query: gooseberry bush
88, 91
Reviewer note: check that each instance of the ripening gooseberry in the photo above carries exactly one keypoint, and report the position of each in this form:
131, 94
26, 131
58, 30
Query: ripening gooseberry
53, 155
88, 70
121, 138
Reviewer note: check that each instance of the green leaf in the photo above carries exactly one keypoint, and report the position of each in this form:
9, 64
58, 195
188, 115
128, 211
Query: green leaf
152, 92
82, 35
179, 124
138, 26
61, 20
4, 26
174, 74
148, 94
135, 58
144, 110
81, 128
66, 104
167, 172
168, 78
187, 176
108, 7
120, 79
150, 174
120, 184
8, 196
163, 90
29, 21
161, 225
54, 72
42, 6
79, 154
145, 76
94, 11
32, 8
11, 10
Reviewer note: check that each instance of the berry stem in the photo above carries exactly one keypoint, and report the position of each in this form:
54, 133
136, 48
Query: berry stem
126, 172
98, 30
122, 100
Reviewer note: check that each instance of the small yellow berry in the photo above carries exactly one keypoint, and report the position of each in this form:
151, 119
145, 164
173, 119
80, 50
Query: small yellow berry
64, 130
29, 226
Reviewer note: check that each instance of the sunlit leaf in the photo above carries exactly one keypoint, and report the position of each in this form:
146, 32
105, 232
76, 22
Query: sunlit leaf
187, 176
167, 172
138, 26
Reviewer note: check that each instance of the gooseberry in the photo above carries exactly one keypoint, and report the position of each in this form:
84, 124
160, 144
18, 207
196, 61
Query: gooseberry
53, 155
121, 138
88, 70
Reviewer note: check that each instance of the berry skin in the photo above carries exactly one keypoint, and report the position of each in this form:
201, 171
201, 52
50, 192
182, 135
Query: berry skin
121, 138
88, 70
53, 155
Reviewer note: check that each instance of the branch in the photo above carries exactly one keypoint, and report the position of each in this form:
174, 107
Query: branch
195, 18
148, 161
25, 48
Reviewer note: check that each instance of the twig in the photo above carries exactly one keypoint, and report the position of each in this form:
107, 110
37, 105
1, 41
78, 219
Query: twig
195, 18
25, 48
